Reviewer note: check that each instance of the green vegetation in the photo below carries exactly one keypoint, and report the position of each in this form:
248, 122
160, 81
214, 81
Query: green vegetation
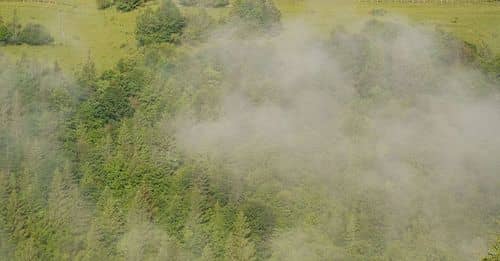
204, 140
494, 252
109, 34
5, 33
103, 4
32, 34
35, 34
205, 3
258, 14
128, 5
163, 25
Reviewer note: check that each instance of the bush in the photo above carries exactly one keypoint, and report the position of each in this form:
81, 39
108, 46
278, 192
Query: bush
218, 3
257, 13
5, 33
188, 2
35, 34
378, 12
205, 3
198, 26
162, 25
103, 4
128, 5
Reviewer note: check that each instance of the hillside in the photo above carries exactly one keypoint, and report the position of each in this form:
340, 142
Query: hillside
80, 29
249, 130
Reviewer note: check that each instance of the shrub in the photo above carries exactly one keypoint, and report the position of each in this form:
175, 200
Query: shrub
378, 12
218, 3
188, 2
205, 3
198, 26
162, 25
35, 34
128, 5
257, 13
103, 4
5, 33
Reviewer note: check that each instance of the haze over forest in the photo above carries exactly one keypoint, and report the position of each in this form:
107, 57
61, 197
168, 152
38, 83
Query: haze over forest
246, 130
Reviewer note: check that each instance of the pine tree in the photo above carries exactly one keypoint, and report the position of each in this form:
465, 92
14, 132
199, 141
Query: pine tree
87, 76
239, 246
94, 249
143, 208
110, 221
217, 229
208, 254
66, 216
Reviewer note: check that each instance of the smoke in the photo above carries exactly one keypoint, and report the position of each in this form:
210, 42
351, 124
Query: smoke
391, 113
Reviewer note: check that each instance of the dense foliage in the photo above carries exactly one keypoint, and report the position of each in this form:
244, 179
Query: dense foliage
32, 34
35, 34
205, 3
128, 5
259, 14
5, 33
246, 150
162, 25
121, 5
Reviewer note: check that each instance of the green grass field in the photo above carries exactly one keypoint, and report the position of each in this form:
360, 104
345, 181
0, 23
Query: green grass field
79, 28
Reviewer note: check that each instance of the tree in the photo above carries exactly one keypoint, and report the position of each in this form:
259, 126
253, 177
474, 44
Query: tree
35, 34
103, 4
5, 33
14, 28
66, 216
494, 252
238, 246
87, 76
262, 14
205, 3
198, 26
216, 3
217, 229
110, 222
163, 25
188, 2
208, 254
195, 235
128, 5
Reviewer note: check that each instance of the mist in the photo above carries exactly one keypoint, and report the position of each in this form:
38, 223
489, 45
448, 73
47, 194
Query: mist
408, 127
378, 140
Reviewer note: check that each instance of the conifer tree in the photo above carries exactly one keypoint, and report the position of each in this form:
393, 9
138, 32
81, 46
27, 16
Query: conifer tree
66, 215
217, 231
239, 246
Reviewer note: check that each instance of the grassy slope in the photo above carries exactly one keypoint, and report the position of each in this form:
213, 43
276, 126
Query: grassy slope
77, 29
109, 35
474, 22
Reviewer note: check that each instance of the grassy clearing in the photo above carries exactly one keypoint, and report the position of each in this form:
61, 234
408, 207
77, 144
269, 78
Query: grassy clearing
472, 22
79, 28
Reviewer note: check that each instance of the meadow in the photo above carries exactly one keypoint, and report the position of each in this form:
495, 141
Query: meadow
107, 35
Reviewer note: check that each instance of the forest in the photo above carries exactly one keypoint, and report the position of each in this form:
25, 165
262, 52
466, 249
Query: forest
241, 136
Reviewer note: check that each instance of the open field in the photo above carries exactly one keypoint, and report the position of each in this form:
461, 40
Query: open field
472, 22
79, 28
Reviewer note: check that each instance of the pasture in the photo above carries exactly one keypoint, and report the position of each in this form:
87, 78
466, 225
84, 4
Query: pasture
80, 29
